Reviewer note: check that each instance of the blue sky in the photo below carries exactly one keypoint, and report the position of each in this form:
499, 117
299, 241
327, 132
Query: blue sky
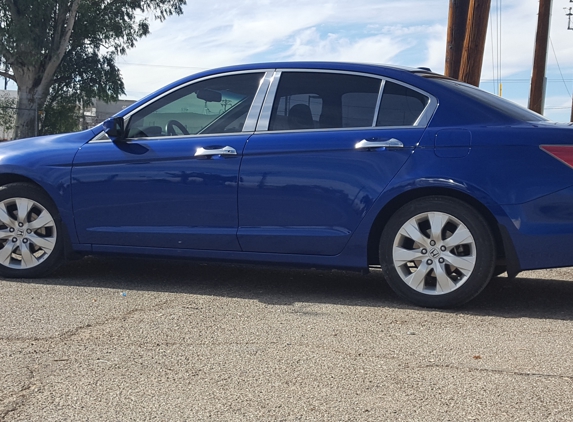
403, 32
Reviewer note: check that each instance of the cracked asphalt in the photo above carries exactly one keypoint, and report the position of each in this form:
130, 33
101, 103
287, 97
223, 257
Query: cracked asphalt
109, 339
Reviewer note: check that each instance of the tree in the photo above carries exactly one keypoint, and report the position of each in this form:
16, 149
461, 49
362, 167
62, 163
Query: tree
53, 44
7, 113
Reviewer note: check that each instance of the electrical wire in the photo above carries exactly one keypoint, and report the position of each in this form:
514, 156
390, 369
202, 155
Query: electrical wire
559, 67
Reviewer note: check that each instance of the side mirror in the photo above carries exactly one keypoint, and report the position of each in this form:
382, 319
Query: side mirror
114, 127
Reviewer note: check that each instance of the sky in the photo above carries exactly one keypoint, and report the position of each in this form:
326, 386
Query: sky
412, 33
400, 32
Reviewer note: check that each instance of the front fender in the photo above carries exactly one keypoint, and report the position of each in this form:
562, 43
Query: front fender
47, 161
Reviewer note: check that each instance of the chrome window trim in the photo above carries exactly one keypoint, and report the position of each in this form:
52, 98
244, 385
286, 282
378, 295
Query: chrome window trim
103, 138
344, 129
265, 116
378, 102
255, 110
197, 136
422, 121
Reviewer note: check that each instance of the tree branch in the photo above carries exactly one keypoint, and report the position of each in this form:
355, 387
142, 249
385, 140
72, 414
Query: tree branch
57, 57
7, 75
7, 54
60, 22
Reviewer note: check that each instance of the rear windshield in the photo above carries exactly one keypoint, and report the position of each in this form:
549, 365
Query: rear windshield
502, 105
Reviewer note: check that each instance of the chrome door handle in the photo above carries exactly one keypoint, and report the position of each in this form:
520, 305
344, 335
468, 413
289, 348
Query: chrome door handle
202, 152
390, 143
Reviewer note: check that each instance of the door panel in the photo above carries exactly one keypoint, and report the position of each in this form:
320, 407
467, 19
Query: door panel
306, 192
156, 193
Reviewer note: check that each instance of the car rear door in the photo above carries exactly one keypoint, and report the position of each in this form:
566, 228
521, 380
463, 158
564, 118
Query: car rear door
326, 146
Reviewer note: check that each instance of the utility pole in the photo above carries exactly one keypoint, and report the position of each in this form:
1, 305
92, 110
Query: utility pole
457, 21
537, 93
474, 43
570, 27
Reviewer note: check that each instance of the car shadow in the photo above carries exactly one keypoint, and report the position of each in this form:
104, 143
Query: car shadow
521, 297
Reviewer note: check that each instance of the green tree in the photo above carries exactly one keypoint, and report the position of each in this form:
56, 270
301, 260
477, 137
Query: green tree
59, 51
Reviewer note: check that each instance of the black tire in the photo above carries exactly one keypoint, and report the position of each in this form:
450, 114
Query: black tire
28, 247
477, 252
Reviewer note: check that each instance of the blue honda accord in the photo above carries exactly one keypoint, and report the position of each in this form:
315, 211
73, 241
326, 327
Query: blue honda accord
333, 165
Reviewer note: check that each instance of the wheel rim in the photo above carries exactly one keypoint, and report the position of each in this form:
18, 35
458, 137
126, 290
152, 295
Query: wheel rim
27, 233
434, 253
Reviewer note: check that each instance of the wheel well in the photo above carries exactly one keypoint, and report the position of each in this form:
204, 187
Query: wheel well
401, 200
6, 179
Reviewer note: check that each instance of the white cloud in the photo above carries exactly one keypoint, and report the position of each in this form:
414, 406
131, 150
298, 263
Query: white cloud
310, 45
212, 34
404, 32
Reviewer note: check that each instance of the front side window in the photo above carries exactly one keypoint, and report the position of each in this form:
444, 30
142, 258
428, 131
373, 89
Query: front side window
315, 100
217, 105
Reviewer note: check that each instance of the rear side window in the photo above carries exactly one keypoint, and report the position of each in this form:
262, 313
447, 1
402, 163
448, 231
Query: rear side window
316, 100
400, 105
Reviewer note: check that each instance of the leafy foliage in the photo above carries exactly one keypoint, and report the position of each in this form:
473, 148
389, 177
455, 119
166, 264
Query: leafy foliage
60, 117
61, 51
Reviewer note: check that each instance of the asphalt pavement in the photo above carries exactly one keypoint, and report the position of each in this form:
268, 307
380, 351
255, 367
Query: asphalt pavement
110, 339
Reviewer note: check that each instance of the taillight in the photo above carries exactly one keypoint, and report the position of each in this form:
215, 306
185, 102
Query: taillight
563, 153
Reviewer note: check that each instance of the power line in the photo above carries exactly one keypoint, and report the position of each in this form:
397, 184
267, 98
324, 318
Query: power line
559, 67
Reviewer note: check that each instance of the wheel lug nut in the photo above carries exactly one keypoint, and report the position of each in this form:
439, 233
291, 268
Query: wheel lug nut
29, 231
12, 229
14, 240
441, 260
429, 262
432, 243
424, 251
20, 224
443, 248
25, 240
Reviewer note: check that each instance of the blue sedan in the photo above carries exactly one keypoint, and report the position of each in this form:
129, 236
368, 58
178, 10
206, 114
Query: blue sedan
329, 165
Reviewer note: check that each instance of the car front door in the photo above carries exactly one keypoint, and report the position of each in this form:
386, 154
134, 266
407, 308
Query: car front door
326, 147
173, 182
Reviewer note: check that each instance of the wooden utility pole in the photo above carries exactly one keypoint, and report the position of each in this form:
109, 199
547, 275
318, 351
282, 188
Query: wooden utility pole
474, 44
457, 21
537, 93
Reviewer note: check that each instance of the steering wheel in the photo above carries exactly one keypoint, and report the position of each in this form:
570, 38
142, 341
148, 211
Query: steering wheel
172, 124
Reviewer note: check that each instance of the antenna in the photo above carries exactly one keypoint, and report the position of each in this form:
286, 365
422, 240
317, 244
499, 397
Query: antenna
569, 26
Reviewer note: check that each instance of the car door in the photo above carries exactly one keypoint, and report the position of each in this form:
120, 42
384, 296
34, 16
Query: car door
173, 182
326, 146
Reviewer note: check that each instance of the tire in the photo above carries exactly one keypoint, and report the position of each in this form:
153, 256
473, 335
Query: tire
437, 252
31, 232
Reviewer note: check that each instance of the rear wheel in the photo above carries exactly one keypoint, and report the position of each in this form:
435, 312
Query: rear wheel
437, 252
31, 243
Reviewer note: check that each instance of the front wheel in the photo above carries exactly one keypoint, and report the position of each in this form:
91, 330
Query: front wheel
437, 252
31, 236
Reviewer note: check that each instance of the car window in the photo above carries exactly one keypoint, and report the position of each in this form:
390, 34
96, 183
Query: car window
217, 105
316, 100
400, 105
500, 104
